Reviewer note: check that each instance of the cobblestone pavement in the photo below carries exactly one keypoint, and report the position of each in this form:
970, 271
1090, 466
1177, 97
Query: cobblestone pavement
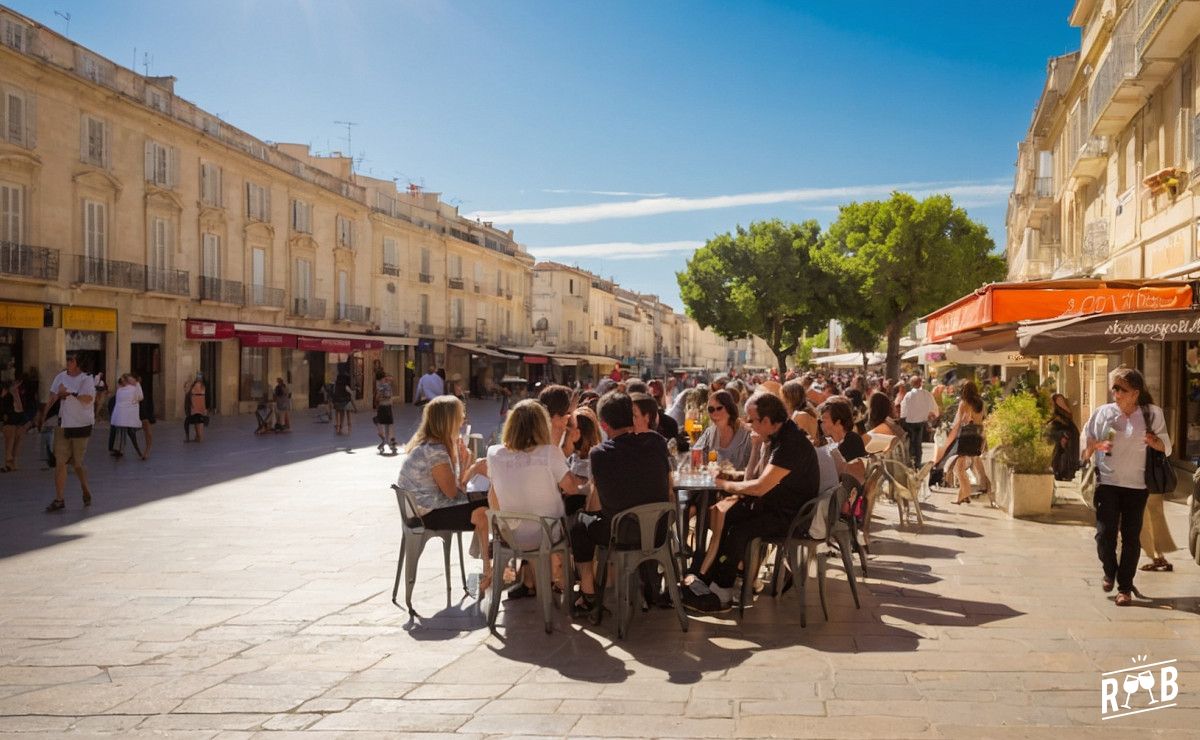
241, 588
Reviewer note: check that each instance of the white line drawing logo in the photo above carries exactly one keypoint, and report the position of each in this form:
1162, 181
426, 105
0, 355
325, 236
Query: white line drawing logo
1162, 676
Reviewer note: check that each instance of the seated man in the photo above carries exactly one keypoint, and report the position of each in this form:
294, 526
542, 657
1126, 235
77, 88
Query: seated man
628, 470
790, 479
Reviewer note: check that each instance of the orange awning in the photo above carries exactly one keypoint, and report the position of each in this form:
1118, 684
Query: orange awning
1000, 304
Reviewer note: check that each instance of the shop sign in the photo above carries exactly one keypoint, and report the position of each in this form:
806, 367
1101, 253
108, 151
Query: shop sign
21, 316
260, 339
359, 344
324, 344
89, 319
92, 341
424, 345
209, 329
535, 360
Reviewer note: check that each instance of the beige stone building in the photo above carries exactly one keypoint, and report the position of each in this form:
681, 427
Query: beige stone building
1107, 183
149, 235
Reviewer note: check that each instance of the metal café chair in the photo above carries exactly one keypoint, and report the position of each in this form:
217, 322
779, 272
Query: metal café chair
904, 487
504, 526
654, 524
800, 549
414, 535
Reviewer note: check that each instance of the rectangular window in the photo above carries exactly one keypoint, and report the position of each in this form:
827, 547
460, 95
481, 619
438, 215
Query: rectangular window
95, 218
456, 266
160, 245
156, 99
210, 185
12, 213
160, 165
301, 217
210, 258
456, 313
303, 280
93, 141
343, 289
423, 306
478, 276
391, 257
253, 385
16, 35
258, 202
571, 286
345, 232
18, 118
425, 261
258, 267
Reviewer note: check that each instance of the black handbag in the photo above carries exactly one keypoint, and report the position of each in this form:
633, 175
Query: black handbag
1160, 473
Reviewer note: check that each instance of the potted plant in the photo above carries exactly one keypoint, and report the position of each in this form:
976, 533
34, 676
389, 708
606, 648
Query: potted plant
1015, 431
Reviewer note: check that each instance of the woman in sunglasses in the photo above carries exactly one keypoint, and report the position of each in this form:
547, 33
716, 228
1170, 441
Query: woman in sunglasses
728, 438
1117, 435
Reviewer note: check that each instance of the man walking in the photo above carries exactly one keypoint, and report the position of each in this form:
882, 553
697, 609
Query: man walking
75, 392
918, 408
429, 387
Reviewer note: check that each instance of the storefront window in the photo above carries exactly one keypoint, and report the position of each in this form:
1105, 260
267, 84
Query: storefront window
1192, 449
253, 374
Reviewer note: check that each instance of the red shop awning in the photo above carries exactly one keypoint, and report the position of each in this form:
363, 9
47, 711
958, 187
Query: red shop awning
266, 339
1001, 305
208, 330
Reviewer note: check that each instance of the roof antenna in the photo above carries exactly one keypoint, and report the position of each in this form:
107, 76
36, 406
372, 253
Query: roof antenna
66, 17
349, 141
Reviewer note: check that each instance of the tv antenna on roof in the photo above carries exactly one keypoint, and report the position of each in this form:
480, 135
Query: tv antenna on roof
349, 140
66, 17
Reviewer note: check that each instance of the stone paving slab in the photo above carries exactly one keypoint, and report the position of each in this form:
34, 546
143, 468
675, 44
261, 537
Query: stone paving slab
240, 588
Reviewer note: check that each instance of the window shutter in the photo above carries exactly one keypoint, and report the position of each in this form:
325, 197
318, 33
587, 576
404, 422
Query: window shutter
149, 161
173, 167
220, 186
266, 191
83, 138
249, 205
106, 155
31, 121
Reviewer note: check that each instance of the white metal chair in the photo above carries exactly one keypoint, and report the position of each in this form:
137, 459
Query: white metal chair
413, 538
504, 526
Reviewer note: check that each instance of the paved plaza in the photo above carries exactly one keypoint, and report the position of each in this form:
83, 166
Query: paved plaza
241, 588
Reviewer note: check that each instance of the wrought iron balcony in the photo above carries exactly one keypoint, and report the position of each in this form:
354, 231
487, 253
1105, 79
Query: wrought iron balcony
174, 282
225, 291
459, 332
481, 336
390, 269
261, 295
22, 260
351, 312
111, 273
455, 282
309, 308
425, 277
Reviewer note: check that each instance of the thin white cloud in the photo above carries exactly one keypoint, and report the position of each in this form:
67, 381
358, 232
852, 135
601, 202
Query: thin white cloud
619, 193
614, 250
976, 193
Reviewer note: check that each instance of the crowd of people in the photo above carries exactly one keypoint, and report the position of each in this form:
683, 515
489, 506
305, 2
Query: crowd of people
582, 456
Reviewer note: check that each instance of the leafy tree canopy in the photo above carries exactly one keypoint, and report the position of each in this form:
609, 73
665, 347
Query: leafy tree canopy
759, 280
901, 258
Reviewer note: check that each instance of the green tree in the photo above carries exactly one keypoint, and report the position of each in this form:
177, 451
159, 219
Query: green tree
860, 338
761, 280
804, 352
901, 258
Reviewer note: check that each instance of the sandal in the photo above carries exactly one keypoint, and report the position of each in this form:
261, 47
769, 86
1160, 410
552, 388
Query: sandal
519, 591
584, 605
56, 505
1158, 564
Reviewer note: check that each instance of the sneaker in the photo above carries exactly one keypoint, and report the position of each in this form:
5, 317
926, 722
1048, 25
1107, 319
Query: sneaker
724, 594
707, 603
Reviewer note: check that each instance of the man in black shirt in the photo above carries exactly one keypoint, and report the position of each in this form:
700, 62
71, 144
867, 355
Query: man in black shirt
790, 479
628, 470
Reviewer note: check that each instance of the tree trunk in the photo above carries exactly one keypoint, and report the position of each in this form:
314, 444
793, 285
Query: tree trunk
892, 368
781, 356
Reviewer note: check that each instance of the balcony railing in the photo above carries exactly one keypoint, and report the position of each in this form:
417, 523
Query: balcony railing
1120, 65
455, 282
459, 332
309, 308
481, 336
174, 282
111, 273
425, 329
626, 315
425, 277
351, 312
22, 260
261, 295
225, 291
390, 269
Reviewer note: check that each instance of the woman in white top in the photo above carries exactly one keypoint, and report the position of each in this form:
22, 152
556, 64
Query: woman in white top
529, 476
125, 417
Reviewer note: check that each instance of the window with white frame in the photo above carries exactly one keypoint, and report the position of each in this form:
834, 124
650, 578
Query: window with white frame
301, 216
478, 277
258, 202
159, 258
343, 293
18, 117
160, 164
210, 256
91, 67
456, 266
156, 99
93, 141
17, 35
391, 257
95, 230
423, 309
258, 267
211, 192
12, 213
345, 232
425, 258
304, 286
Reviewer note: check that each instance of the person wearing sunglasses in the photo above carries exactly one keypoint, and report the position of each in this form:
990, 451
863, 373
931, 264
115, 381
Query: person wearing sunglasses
1117, 436
726, 435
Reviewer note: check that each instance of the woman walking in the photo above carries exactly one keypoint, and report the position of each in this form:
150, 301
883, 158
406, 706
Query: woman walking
965, 441
283, 406
342, 399
126, 419
1117, 435
196, 408
383, 412
14, 421
1063, 433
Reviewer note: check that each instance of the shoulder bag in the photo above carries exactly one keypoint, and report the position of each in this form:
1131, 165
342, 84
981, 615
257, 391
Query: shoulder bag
1160, 474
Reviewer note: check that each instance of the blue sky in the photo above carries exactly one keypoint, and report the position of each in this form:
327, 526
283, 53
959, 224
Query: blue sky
618, 135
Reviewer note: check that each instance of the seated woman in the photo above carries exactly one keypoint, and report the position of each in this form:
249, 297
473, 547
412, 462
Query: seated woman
529, 476
435, 461
795, 400
881, 421
585, 437
725, 436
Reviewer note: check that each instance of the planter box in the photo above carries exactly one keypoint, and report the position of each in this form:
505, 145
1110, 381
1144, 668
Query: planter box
1031, 494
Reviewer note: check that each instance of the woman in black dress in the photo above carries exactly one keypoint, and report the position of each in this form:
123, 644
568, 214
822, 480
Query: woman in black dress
1062, 431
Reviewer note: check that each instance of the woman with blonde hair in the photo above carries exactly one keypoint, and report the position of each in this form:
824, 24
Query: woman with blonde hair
433, 471
529, 476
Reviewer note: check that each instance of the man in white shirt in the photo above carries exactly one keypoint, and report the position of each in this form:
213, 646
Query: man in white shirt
429, 387
918, 408
75, 391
